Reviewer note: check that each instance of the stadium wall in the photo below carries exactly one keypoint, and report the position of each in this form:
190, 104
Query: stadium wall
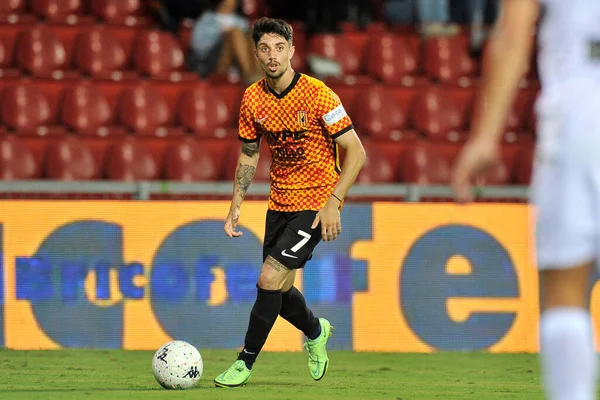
403, 277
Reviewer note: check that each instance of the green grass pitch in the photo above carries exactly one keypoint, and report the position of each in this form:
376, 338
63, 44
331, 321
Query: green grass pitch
119, 374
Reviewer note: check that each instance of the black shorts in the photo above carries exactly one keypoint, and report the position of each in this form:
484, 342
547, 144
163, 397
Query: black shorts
289, 238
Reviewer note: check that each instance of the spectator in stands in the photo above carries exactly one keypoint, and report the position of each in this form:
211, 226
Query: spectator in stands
433, 15
479, 14
172, 12
221, 40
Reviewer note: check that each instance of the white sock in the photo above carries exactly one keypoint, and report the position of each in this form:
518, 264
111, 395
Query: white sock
567, 354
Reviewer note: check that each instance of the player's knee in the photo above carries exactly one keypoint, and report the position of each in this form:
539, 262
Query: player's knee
270, 282
566, 287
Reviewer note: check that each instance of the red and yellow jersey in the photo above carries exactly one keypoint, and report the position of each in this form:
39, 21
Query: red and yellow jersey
299, 126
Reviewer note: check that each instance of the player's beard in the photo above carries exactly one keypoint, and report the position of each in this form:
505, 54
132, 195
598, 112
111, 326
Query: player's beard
277, 74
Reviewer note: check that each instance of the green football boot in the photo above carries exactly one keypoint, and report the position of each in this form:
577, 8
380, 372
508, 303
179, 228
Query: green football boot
237, 375
317, 351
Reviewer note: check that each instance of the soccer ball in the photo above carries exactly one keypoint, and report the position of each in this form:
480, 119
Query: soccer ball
177, 365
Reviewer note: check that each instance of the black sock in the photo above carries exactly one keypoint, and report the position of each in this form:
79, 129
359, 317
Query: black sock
294, 310
262, 317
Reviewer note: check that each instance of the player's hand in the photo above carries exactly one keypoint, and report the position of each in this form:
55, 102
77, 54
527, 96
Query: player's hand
474, 160
231, 223
331, 224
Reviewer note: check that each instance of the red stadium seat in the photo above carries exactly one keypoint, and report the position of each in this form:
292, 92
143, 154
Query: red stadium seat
391, 58
86, 111
70, 159
203, 111
425, 164
158, 55
60, 11
41, 54
100, 54
378, 113
16, 160
144, 111
377, 168
12, 7
123, 12
129, 160
447, 59
439, 116
524, 165
301, 45
7, 67
14, 12
337, 48
187, 160
25, 109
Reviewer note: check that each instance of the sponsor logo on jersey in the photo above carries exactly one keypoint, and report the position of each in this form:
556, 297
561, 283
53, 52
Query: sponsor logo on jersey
335, 115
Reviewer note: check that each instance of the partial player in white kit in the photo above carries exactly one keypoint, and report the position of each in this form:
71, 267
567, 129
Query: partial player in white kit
566, 182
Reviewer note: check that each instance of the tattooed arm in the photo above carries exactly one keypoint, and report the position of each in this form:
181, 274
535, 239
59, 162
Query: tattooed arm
244, 173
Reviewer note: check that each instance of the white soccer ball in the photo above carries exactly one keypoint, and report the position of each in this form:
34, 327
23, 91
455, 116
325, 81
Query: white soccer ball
177, 365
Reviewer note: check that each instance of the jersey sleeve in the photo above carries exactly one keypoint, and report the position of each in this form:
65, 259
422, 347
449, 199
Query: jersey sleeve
331, 113
247, 130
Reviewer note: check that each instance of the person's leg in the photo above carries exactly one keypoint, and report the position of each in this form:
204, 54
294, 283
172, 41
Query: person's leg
244, 55
567, 342
262, 317
225, 55
564, 193
295, 311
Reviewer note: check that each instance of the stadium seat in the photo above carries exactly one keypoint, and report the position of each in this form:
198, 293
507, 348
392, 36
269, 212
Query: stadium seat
159, 55
14, 12
425, 164
337, 48
378, 114
100, 54
7, 68
86, 110
129, 160
391, 58
144, 111
70, 159
187, 160
16, 160
301, 45
25, 109
377, 168
41, 54
203, 111
12, 7
121, 12
521, 110
447, 60
349, 96
439, 116
60, 11
524, 165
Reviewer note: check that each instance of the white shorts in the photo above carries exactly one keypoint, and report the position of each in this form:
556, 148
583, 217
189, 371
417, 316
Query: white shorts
566, 197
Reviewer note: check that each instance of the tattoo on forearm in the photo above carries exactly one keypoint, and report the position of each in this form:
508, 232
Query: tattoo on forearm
243, 178
250, 149
276, 265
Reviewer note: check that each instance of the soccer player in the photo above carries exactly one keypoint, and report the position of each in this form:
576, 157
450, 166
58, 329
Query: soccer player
303, 122
566, 182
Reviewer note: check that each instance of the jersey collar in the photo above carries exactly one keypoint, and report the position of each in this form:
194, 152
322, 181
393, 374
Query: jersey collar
288, 89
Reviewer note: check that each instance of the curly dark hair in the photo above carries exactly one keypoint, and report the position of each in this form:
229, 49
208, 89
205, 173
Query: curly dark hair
270, 25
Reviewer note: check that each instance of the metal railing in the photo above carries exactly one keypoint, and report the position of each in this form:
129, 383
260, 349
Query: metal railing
144, 190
